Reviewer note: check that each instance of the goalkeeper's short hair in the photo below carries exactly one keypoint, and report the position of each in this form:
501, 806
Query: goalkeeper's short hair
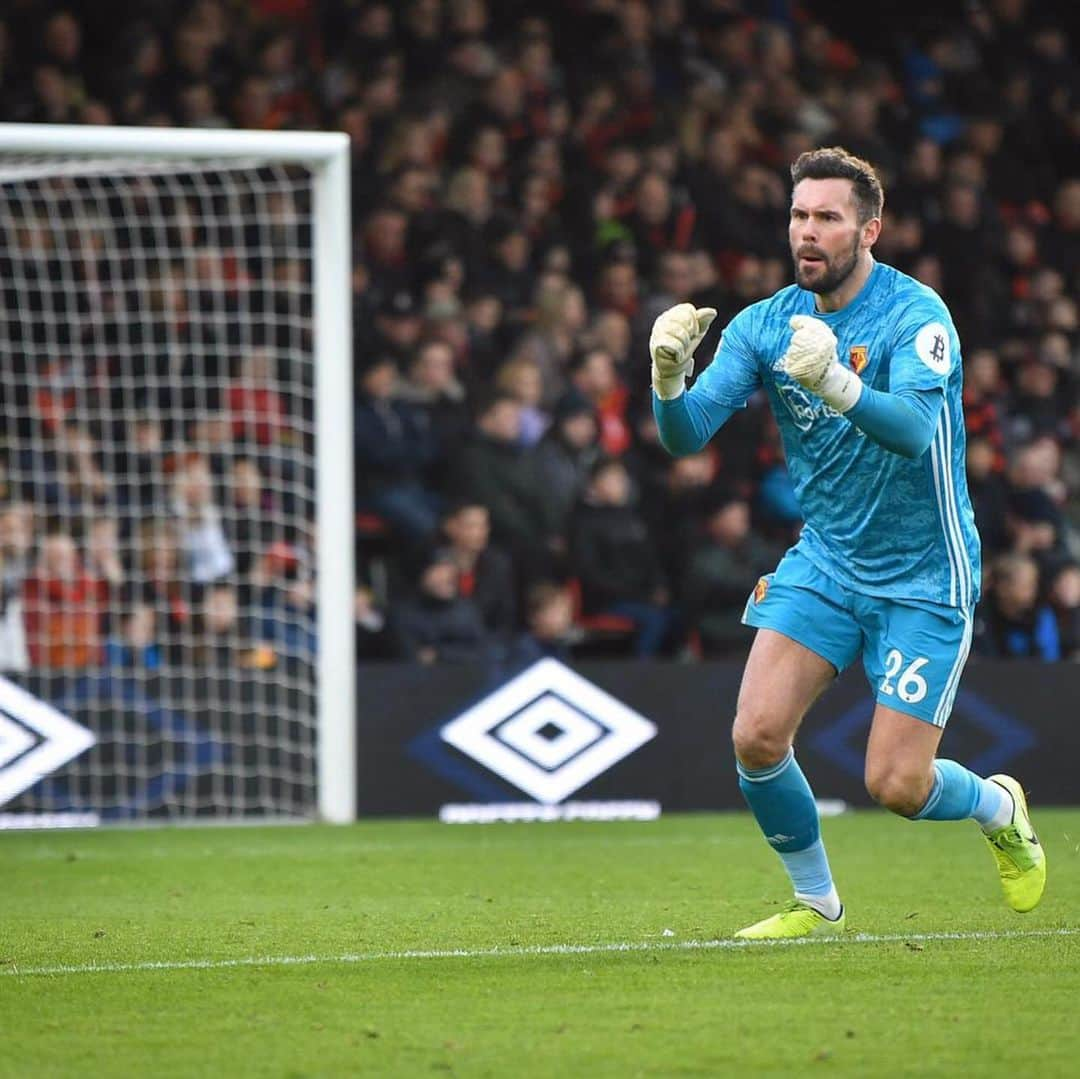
836, 163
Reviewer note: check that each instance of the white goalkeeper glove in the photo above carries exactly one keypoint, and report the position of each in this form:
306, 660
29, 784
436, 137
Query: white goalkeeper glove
675, 334
811, 360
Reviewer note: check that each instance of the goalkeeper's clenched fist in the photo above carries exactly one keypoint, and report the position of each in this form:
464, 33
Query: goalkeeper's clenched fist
675, 335
812, 361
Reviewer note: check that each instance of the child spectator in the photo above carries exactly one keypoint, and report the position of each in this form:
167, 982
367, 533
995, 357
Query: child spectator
134, 648
218, 627
550, 633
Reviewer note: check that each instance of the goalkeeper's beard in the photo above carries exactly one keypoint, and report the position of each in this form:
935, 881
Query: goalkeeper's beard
834, 274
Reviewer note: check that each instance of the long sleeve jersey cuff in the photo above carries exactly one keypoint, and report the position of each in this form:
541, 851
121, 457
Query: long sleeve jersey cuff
686, 424
902, 422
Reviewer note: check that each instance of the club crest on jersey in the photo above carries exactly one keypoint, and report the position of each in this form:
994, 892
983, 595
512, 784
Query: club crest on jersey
858, 358
761, 589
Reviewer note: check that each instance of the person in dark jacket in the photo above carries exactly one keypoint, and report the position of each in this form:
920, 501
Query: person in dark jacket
394, 447
485, 573
495, 470
1011, 621
722, 572
566, 455
1064, 596
433, 387
438, 625
615, 560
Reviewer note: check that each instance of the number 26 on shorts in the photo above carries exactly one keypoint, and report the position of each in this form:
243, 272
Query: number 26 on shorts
911, 686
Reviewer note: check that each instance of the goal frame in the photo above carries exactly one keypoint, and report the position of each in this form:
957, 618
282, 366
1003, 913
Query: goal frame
326, 155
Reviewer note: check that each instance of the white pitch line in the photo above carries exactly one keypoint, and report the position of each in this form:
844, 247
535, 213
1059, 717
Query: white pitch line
529, 950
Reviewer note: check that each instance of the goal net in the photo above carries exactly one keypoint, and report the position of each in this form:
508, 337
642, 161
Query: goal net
175, 481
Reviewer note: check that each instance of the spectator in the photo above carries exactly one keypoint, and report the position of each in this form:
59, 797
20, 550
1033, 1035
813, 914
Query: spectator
679, 515
14, 655
721, 575
134, 647
161, 585
373, 638
595, 377
989, 495
561, 317
506, 271
485, 573
613, 556
550, 631
433, 387
495, 470
86, 486
662, 221
284, 603
566, 456
521, 379
258, 410
1012, 623
63, 606
202, 535
249, 512
398, 325
16, 543
103, 553
219, 627
141, 486
394, 447
1064, 593
438, 625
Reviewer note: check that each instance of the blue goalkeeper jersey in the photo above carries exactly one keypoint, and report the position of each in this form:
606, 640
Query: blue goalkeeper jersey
878, 523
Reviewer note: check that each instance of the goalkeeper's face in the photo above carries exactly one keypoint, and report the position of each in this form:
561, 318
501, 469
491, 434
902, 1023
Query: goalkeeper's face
825, 234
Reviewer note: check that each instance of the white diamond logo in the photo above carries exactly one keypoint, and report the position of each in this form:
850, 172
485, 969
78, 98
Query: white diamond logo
58, 740
507, 731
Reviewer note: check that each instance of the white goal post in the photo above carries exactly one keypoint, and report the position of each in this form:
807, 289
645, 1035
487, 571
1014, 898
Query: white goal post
325, 157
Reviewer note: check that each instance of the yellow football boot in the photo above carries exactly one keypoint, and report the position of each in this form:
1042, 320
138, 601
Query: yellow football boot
795, 920
1021, 861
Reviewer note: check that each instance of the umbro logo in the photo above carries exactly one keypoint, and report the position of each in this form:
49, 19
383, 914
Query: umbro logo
35, 740
548, 731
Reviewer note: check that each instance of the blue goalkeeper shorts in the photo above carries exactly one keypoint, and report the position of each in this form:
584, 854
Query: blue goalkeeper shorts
913, 652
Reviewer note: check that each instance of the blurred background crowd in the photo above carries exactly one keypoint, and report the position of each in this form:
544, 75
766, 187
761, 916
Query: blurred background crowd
532, 184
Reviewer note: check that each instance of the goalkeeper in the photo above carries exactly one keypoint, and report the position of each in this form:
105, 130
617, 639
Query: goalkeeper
861, 365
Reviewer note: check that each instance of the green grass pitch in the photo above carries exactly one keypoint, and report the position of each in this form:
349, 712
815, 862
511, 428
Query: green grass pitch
319, 951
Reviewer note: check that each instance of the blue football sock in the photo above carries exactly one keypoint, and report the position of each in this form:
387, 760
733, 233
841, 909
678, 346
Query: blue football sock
958, 794
781, 800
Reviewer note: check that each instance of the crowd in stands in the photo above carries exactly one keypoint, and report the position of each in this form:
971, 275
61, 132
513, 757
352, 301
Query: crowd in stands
532, 183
